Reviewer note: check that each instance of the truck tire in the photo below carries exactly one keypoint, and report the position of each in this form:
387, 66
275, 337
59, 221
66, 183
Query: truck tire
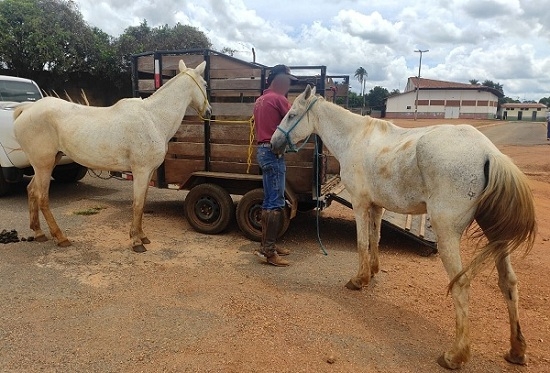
209, 208
67, 175
249, 215
5, 187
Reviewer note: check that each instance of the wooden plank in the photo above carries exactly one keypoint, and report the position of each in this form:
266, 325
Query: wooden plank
333, 166
239, 153
146, 84
172, 62
250, 95
235, 84
178, 171
300, 179
238, 134
145, 63
220, 62
190, 132
185, 149
236, 167
232, 108
244, 72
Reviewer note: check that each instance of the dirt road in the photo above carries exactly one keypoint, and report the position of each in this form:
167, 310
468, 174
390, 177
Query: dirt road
198, 303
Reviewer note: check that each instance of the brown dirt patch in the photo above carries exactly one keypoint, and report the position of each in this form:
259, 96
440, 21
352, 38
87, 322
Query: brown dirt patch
196, 303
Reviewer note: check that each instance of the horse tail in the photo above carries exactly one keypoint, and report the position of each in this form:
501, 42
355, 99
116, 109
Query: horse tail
19, 109
505, 214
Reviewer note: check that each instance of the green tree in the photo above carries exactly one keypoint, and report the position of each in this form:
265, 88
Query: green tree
37, 35
545, 101
361, 75
489, 83
142, 38
376, 97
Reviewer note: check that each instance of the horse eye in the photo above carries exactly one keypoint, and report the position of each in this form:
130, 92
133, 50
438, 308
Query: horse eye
291, 116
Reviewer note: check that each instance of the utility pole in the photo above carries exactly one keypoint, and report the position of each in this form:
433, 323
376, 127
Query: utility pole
418, 81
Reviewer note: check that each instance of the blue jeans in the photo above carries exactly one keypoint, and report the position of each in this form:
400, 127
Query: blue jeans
548, 130
273, 172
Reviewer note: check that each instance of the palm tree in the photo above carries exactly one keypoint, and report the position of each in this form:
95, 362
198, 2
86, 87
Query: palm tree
474, 82
361, 74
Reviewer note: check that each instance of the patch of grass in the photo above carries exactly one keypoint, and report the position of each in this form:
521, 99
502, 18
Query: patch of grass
89, 211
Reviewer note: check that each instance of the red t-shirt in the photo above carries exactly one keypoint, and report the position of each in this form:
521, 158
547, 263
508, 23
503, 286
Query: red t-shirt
269, 109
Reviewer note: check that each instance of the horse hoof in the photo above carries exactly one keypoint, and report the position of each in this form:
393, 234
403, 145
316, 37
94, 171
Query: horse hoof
447, 364
41, 238
145, 241
352, 286
64, 243
139, 249
519, 360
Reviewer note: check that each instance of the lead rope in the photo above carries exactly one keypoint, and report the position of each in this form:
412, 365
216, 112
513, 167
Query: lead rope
318, 212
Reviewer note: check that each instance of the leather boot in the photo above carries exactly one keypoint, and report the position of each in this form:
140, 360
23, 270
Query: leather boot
271, 224
278, 216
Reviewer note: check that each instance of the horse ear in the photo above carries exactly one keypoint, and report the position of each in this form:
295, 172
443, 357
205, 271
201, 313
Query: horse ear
309, 92
182, 66
200, 69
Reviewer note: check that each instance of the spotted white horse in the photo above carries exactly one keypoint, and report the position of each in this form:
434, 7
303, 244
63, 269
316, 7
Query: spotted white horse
132, 135
452, 172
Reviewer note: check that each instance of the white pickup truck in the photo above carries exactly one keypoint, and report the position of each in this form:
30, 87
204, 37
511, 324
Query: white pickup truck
13, 161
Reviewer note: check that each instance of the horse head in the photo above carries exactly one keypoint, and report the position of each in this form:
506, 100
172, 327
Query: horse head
297, 124
199, 100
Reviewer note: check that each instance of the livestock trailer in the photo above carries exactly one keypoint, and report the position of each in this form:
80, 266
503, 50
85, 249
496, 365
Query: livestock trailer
215, 158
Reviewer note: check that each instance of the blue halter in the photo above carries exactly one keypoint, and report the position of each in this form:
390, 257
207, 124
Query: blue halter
292, 147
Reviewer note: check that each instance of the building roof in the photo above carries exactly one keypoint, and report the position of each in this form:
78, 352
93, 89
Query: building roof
423, 83
530, 105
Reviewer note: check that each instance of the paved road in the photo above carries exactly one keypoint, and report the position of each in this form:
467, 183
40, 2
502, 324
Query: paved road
516, 133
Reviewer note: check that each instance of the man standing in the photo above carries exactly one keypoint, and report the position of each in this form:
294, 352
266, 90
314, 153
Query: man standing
548, 125
269, 110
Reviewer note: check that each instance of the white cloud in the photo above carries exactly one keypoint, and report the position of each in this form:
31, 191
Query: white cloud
506, 41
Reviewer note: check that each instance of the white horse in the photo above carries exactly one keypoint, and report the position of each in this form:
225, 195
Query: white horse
452, 172
131, 135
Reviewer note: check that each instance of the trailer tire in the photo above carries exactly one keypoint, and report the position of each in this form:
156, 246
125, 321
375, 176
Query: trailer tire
249, 215
209, 208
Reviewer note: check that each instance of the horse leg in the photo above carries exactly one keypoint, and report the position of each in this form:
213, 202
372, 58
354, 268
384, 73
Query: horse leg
363, 275
33, 212
507, 282
141, 185
374, 238
40, 185
448, 247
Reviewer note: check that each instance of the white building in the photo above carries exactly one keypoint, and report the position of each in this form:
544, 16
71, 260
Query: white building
441, 99
523, 111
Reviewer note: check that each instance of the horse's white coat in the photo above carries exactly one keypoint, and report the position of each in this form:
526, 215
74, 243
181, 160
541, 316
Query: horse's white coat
439, 170
131, 135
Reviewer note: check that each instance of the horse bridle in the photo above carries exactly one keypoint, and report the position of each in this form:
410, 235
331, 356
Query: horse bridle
292, 147
205, 102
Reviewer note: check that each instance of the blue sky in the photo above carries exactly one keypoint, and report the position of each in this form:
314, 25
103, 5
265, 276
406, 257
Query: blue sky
507, 41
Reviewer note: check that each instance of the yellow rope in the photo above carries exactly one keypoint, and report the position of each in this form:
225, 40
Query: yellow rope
251, 135
250, 145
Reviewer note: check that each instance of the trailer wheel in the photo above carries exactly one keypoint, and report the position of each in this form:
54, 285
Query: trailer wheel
209, 208
249, 215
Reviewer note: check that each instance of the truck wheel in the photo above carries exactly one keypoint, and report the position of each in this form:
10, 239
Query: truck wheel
209, 208
5, 187
249, 215
69, 174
